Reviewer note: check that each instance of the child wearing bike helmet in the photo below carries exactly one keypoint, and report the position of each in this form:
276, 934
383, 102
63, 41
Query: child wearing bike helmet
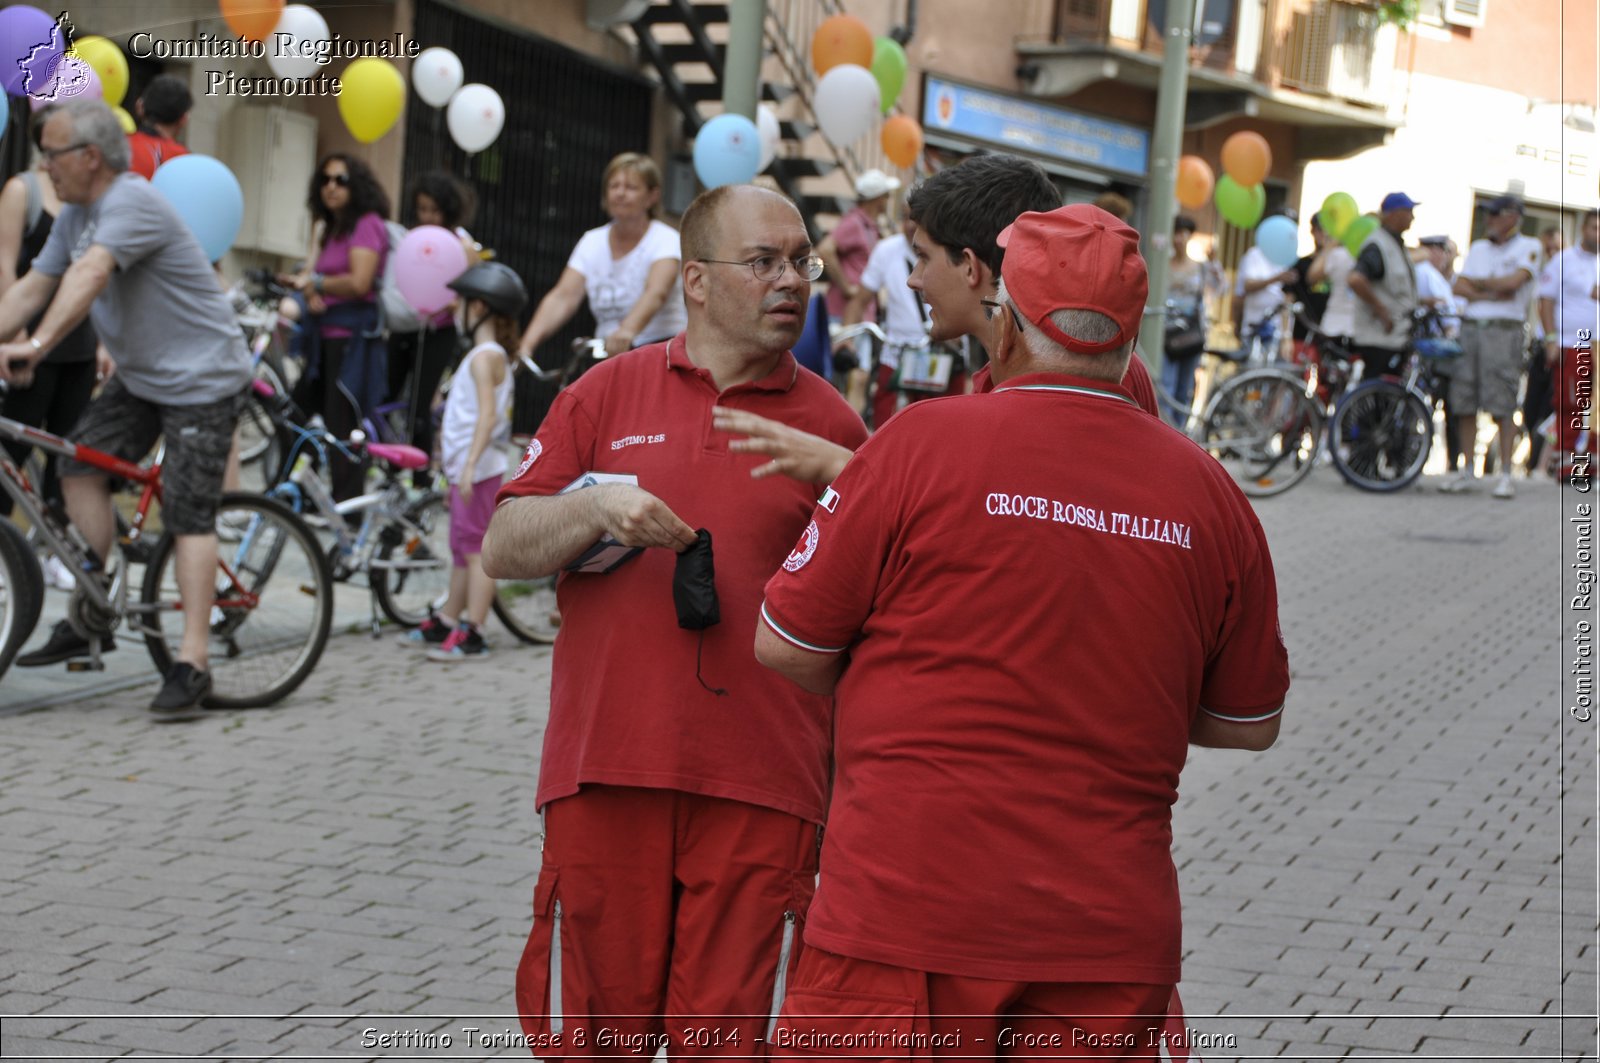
477, 422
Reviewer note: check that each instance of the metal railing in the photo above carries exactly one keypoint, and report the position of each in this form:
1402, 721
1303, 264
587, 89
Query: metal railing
1337, 49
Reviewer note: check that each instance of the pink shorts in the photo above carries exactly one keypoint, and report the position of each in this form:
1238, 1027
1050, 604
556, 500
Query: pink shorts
469, 519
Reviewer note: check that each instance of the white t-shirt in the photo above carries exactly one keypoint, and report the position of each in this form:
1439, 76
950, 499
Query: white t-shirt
887, 271
1486, 259
461, 420
614, 285
1255, 266
1339, 316
1432, 285
1573, 280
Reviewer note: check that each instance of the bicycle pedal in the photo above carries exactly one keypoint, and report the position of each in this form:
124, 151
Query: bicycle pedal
86, 666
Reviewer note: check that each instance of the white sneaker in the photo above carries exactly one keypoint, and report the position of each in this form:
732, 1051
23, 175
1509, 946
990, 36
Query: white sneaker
1459, 483
58, 575
1504, 489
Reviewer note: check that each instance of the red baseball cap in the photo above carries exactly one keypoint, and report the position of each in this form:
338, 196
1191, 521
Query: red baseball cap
1076, 258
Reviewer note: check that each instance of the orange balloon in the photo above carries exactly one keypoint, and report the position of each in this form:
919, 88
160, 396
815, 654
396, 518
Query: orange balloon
252, 19
839, 40
1246, 158
1195, 182
902, 140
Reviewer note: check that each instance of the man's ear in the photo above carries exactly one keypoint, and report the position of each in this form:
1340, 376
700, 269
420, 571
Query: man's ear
694, 281
978, 275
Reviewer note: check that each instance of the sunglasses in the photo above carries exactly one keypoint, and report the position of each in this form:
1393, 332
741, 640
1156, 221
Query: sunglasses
991, 309
340, 179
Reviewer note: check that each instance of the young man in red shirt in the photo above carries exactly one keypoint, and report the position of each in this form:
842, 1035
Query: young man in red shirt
998, 856
682, 784
960, 213
162, 111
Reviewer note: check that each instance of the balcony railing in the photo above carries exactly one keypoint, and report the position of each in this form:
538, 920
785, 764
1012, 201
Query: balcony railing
1335, 48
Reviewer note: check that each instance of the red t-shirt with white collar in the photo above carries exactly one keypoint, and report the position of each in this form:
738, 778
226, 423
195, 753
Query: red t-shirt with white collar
625, 705
1032, 629
1136, 380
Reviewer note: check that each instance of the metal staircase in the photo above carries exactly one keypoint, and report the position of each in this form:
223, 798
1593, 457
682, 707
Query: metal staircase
685, 43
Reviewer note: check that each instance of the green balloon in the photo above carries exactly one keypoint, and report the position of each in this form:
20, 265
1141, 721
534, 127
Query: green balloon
889, 70
1357, 232
1239, 205
1338, 211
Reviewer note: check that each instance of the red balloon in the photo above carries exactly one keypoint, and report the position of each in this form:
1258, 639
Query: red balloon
839, 40
1195, 182
902, 140
1246, 158
252, 19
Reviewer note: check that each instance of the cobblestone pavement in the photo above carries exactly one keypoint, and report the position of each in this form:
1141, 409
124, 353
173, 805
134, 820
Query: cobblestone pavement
1408, 874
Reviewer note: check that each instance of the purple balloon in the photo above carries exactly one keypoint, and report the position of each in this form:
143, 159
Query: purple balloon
425, 263
30, 45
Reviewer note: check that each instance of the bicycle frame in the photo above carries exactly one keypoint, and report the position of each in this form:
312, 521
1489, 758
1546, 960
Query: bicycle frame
64, 540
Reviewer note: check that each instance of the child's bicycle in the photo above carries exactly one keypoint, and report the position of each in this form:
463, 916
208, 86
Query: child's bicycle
274, 594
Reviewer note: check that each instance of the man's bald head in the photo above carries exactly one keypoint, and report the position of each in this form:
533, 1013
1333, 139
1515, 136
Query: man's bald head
700, 232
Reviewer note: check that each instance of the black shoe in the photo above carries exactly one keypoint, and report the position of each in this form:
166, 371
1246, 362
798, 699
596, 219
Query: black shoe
62, 645
180, 696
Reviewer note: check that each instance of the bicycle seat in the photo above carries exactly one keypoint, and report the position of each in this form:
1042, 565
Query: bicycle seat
399, 455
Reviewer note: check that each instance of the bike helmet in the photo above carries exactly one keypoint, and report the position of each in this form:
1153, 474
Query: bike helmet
496, 284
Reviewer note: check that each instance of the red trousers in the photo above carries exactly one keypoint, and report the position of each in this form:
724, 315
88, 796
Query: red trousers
843, 1008
662, 918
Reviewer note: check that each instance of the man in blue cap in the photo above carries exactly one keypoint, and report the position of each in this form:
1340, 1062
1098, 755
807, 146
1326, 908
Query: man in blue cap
1386, 289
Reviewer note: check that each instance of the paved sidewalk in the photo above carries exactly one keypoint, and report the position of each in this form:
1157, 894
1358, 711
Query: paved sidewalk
1409, 873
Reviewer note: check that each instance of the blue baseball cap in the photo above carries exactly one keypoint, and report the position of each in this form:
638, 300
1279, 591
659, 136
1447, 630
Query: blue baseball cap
1398, 201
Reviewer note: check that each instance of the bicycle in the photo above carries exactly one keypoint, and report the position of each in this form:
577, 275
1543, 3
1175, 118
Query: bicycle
1266, 424
274, 593
265, 331
1382, 430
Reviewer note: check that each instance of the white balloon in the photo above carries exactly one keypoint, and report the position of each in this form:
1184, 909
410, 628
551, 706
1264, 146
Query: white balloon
846, 103
437, 74
306, 30
767, 126
475, 117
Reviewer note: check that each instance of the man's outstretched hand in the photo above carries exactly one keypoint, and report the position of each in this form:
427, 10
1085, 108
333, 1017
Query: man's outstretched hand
797, 454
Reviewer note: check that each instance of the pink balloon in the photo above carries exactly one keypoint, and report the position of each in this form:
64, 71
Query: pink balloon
73, 79
425, 263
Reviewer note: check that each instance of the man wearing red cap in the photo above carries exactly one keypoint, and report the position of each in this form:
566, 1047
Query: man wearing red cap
996, 876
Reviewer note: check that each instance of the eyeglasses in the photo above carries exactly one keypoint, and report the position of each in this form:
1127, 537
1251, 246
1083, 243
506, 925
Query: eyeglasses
51, 155
340, 179
769, 268
991, 308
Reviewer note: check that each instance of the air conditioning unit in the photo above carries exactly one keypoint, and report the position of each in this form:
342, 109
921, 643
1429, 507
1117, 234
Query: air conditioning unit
272, 150
1465, 12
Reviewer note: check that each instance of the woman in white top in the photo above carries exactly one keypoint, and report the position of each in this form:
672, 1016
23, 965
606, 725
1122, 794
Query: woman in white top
628, 269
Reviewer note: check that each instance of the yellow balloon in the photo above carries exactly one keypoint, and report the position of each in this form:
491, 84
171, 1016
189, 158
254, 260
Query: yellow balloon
108, 62
372, 95
128, 124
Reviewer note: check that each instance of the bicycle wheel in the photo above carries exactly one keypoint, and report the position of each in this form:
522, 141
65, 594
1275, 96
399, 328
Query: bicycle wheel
1264, 429
1380, 436
411, 573
526, 608
21, 591
273, 606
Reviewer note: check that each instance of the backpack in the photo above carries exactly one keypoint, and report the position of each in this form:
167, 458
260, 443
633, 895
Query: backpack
396, 314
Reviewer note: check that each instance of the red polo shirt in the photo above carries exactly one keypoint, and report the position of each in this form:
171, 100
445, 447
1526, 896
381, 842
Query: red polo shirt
1136, 380
147, 151
1032, 629
625, 706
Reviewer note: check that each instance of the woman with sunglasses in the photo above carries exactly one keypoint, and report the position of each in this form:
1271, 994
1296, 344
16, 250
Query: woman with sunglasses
628, 269
346, 370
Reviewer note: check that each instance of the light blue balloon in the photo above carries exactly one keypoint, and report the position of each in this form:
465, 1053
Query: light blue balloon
727, 151
1278, 240
207, 197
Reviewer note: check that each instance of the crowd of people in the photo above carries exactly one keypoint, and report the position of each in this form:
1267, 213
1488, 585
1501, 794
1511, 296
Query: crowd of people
779, 751
1523, 311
